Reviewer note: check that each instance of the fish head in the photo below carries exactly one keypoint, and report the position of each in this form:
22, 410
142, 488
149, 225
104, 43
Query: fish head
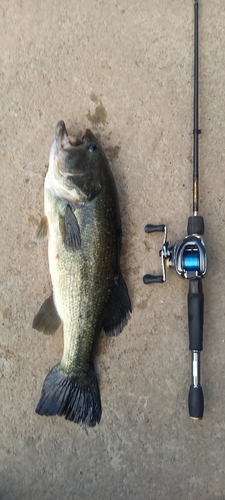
75, 165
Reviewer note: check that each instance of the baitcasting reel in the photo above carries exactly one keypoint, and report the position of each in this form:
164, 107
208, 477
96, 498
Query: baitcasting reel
187, 257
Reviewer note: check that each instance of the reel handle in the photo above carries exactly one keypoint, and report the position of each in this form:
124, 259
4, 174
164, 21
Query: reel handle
195, 324
151, 278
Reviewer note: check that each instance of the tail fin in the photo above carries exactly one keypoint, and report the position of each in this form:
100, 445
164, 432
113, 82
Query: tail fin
77, 398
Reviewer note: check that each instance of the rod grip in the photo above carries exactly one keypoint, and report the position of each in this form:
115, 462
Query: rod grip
195, 225
195, 315
196, 402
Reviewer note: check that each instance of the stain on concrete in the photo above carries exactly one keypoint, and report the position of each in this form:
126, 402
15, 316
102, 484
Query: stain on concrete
142, 305
7, 313
94, 97
33, 220
112, 152
99, 115
5, 352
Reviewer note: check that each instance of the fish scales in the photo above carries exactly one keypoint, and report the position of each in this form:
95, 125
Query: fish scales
80, 301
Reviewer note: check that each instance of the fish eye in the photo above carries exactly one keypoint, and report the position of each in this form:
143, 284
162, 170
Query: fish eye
92, 147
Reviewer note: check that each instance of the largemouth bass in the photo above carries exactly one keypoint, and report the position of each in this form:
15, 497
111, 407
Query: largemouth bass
82, 223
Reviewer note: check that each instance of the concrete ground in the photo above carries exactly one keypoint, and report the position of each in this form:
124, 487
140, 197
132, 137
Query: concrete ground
125, 70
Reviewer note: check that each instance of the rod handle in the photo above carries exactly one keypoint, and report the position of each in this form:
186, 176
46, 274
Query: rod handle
195, 315
151, 278
196, 402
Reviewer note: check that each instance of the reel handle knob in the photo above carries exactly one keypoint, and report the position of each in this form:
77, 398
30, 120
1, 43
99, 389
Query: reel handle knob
151, 228
151, 278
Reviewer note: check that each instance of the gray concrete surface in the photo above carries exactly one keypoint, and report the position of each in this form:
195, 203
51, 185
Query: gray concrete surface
125, 69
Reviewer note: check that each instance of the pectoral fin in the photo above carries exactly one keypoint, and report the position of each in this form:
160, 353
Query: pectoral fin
42, 230
69, 229
118, 311
47, 319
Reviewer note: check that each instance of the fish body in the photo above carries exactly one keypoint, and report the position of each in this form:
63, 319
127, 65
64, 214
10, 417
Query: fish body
82, 221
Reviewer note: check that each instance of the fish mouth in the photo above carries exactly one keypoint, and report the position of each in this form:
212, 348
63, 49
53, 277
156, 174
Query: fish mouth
63, 140
61, 134
66, 143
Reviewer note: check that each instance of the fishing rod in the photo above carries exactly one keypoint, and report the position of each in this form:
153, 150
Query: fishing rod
188, 258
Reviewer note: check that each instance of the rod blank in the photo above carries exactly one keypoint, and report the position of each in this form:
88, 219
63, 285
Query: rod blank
196, 130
